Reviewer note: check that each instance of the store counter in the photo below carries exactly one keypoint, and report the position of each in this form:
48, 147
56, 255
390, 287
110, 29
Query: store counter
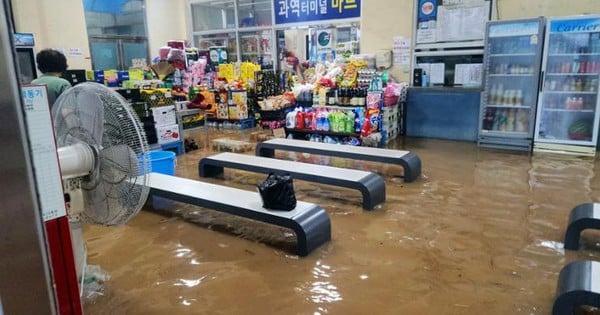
443, 113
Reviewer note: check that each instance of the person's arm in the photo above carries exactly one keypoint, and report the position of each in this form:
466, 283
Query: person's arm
63, 87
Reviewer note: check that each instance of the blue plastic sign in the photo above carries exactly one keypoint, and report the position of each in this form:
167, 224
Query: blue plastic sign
427, 10
23, 39
590, 25
514, 29
294, 11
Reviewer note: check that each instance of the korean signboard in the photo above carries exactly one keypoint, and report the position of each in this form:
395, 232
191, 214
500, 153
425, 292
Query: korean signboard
43, 151
293, 11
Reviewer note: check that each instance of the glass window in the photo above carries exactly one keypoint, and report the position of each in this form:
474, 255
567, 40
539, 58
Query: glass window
105, 54
257, 47
204, 42
117, 32
133, 51
252, 13
213, 15
117, 17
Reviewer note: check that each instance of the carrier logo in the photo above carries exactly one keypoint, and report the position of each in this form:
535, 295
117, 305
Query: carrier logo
427, 8
581, 26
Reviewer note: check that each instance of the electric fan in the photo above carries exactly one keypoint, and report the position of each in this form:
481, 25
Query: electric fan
102, 152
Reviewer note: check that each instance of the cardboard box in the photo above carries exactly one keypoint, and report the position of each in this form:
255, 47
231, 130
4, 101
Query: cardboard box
222, 111
167, 134
234, 112
164, 115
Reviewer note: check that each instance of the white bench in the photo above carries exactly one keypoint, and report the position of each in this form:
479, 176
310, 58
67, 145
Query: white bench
371, 185
310, 222
408, 160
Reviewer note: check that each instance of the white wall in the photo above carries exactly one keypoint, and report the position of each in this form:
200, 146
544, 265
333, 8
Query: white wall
515, 9
55, 24
381, 21
61, 24
166, 20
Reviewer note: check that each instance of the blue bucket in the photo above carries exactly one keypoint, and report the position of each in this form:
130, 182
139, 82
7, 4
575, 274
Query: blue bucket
162, 162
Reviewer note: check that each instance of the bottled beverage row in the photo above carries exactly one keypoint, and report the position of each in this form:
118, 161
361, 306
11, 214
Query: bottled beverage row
499, 96
587, 102
513, 45
506, 119
575, 66
345, 97
321, 119
573, 44
509, 68
571, 84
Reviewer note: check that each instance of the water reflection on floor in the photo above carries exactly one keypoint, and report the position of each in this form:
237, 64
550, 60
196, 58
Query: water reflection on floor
480, 233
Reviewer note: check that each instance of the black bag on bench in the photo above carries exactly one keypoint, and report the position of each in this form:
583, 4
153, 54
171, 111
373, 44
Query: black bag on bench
277, 192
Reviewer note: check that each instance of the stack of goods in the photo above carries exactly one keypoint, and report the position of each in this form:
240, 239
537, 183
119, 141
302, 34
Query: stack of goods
226, 144
157, 97
273, 110
365, 76
373, 119
165, 121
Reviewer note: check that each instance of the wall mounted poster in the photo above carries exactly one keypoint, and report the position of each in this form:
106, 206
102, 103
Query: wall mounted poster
442, 21
426, 25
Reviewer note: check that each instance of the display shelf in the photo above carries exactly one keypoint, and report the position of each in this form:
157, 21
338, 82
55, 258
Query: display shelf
508, 133
512, 75
508, 106
574, 54
570, 92
185, 112
568, 110
226, 119
198, 128
338, 107
192, 111
512, 55
573, 74
322, 132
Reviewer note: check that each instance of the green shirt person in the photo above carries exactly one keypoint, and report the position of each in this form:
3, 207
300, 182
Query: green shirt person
52, 63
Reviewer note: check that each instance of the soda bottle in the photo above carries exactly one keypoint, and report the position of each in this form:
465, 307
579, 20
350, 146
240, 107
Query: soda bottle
290, 120
349, 122
300, 119
326, 126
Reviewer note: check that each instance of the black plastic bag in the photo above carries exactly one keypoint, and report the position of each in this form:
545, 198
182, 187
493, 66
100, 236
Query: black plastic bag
277, 192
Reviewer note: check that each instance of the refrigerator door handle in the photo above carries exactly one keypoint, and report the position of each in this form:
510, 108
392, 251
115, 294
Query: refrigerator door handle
541, 82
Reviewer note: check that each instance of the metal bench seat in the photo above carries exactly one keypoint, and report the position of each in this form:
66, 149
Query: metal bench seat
310, 222
371, 185
408, 160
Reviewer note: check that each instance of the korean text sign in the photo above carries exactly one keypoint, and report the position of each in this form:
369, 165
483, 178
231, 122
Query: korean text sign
293, 11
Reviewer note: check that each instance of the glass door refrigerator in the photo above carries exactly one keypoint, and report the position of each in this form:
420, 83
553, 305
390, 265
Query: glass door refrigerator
567, 119
512, 62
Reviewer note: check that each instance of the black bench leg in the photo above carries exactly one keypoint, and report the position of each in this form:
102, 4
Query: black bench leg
581, 218
264, 152
373, 191
574, 288
412, 167
312, 228
206, 170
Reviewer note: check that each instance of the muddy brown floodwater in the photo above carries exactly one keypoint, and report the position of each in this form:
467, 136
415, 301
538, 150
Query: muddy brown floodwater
479, 233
